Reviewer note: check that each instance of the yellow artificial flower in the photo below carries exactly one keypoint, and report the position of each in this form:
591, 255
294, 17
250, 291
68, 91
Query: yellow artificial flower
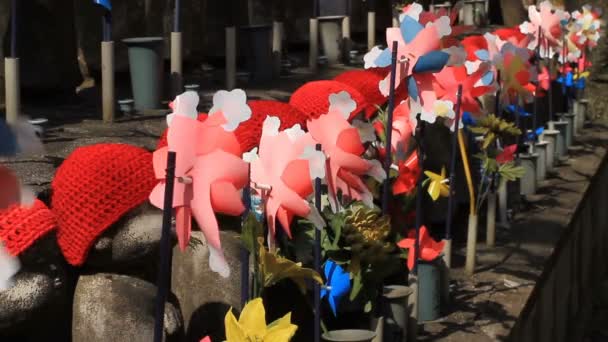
438, 186
584, 74
251, 326
274, 268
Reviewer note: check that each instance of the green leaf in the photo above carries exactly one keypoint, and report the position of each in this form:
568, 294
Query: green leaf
368, 306
252, 230
357, 286
511, 172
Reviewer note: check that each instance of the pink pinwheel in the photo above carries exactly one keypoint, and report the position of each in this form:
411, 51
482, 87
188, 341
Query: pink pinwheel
287, 163
429, 248
544, 78
514, 66
549, 21
418, 51
587, 26
448, 80
416, 11
343, 147
208, 169
402, 132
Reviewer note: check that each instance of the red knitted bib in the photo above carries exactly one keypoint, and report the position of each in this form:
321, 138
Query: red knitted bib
21, 226
93, 188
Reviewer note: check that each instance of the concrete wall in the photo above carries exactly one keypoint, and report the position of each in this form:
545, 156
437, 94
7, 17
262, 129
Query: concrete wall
561, 302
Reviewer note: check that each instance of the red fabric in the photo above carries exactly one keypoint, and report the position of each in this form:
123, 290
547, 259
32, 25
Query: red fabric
93, 188
366, 82
162, 141
21, 226
249, 132
312, 98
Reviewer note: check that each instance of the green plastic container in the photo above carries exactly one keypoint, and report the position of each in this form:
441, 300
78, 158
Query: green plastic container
146, 67
429, 290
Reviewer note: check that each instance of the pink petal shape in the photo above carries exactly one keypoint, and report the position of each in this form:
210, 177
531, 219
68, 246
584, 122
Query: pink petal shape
227, 168
183, 226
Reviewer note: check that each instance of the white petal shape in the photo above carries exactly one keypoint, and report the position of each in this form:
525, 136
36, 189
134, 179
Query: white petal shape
444, 109
9, 266
458, 56
343, 103
443, 24
384, 86
472, 66
25, 134
315, 217
233, 104
295, 132
527, 28
218, 263
251, 155
413, 11
316, 162
370, 57
366, 130
28, 196
376, 171
271, 126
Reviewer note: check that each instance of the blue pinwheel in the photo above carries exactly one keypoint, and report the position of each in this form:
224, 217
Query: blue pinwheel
467, 119
104, 3
566, 80
533, 135
337, 284
517, 110
8, 141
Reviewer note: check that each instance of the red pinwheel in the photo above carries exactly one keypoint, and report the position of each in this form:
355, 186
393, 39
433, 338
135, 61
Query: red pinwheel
514, 36
429, 248
409, 171
507, 155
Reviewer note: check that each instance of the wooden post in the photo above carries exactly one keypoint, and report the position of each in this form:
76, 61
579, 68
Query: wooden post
107, 81
176, 63
277, 46
371, 30
13, 89
346, 43
314, 44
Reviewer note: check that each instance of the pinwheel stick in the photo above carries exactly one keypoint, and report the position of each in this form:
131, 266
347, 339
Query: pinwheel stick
244, 251
389, 130
448, 225
419, 191
537, 87
164, 274
317, 260
497, 107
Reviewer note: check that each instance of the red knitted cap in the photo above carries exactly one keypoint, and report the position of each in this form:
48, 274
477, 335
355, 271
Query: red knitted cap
21, 226
93, 188
249, 132
366, 82
312, 98
162, 141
